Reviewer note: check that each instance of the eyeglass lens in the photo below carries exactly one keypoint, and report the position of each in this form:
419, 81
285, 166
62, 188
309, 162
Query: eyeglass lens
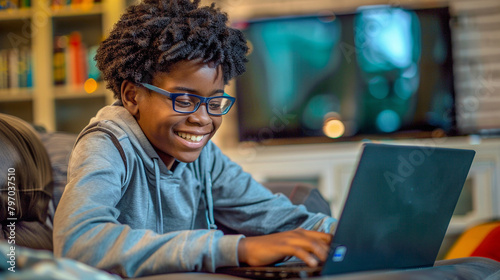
188, 103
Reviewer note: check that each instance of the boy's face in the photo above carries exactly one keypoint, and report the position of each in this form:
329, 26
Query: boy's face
177, 135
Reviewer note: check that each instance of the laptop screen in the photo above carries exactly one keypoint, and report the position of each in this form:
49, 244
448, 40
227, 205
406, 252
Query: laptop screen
398, 208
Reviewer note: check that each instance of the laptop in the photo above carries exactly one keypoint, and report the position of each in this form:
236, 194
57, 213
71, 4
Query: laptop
395, 216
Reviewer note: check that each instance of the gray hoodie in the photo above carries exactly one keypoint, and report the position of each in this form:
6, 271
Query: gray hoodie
125, 212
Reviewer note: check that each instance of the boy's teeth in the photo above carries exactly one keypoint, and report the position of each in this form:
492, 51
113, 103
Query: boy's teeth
187, 136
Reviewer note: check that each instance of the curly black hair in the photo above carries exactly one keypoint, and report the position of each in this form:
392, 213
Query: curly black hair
153, 35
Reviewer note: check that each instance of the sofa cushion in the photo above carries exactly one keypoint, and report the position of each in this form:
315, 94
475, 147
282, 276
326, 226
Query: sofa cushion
59, 146
301, 193
482, 240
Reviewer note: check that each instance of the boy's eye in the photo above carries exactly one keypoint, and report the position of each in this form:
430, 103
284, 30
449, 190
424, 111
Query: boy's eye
214, 105
183, 103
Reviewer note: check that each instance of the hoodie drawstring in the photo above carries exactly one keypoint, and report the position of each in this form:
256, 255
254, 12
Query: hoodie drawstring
210, 203
209, 199
159, 222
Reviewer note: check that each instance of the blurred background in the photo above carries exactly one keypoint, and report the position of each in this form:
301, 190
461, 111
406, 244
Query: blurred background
344, 69
366, 69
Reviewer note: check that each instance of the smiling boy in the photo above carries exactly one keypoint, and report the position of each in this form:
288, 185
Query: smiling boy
177, 135
148, 192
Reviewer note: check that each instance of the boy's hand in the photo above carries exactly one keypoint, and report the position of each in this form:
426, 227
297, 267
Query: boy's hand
267, 249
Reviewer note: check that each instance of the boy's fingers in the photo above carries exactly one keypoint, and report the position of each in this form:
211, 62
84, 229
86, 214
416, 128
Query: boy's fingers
326, 237
307, 257
317, 247
306, 245
322, 252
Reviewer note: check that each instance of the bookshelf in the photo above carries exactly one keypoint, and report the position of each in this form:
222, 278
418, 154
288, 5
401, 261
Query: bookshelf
30, 32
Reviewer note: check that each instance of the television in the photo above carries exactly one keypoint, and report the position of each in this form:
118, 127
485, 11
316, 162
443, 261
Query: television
378, 72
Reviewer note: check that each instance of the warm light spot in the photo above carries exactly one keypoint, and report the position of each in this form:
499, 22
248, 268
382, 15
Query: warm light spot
334, 128
86, 5
438, 133
326, 16
90, 85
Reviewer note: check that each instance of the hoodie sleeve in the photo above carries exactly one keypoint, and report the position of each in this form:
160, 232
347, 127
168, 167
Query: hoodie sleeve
243, 205
86, 226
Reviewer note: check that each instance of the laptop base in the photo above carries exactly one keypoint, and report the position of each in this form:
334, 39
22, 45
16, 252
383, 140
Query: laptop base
272, 272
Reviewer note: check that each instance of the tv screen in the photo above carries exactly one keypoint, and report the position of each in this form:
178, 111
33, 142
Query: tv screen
378, 72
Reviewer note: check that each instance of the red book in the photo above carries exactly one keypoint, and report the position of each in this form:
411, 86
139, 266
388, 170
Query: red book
77, 63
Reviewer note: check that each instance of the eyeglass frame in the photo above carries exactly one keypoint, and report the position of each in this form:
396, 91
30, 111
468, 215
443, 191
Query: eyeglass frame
204, 100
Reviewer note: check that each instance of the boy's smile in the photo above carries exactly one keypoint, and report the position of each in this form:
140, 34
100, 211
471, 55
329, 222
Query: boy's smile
177, 135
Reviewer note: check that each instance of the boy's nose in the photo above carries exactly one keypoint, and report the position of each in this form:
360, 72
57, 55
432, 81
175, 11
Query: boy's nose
201, 116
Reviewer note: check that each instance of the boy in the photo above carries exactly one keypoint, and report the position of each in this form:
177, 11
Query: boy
147, 191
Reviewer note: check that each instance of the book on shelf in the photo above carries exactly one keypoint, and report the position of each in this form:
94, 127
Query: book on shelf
73, 61
4, 69
77, 63
13, 68
14, 4
94, 72
16, 68
24, 68
29, 70
76, 4
60, 45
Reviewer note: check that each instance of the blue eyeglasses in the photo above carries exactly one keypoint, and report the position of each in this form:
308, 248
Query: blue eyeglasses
189, 103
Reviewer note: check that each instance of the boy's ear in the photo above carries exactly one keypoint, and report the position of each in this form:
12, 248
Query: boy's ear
129, 92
